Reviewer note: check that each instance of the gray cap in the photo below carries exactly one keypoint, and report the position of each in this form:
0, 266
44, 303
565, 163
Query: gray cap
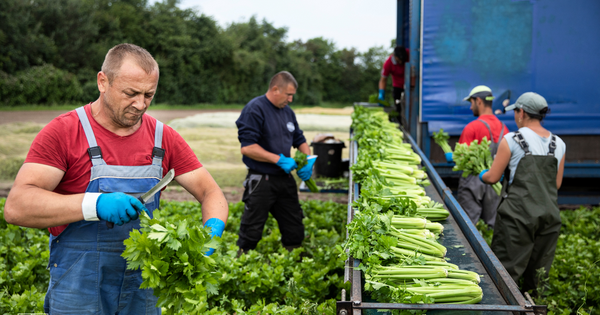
530, 102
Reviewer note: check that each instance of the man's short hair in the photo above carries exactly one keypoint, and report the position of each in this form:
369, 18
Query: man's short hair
115, 56
486, 103
282, 80
400, 52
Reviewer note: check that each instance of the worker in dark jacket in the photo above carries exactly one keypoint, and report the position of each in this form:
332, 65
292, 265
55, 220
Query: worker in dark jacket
267, 130
394, 66
480, 201
528, 221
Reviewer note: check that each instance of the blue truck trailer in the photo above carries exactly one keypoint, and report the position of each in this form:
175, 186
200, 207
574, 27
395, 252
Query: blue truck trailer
550, 47
512, 46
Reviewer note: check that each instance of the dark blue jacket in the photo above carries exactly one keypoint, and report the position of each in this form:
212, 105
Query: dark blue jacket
274, 129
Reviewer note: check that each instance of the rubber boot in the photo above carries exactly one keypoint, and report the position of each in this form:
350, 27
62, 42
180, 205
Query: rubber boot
242, 251
291, 248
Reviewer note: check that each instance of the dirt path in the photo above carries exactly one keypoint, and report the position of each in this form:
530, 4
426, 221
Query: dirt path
45, 116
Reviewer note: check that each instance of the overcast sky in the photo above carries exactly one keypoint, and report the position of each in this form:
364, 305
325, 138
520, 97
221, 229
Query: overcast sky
349, 23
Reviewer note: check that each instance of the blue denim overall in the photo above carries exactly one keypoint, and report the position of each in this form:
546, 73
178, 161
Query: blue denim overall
87, 273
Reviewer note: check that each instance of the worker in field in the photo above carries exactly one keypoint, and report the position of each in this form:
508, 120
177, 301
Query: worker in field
528, 221
81, 178
394, 66
267, 130
477, 199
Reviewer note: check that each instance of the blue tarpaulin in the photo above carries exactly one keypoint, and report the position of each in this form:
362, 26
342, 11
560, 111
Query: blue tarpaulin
550, 47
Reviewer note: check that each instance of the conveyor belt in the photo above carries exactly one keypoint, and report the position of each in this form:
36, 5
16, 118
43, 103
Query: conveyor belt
466, 248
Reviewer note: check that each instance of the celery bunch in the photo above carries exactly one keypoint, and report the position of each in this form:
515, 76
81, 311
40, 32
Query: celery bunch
474, 158
301, 160
441, 138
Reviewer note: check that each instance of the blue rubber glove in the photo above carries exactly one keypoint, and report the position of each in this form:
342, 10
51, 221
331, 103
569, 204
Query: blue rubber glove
216, 229
481, 176
306, 172
485, 171
287, 164
118, 208
449, 156
381, 94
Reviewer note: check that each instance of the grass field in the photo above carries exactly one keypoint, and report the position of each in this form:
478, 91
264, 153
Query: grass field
217, 148
165, 106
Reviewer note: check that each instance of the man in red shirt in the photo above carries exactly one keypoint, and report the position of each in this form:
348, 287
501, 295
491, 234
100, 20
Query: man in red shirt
84, 171
479, 200
394, 65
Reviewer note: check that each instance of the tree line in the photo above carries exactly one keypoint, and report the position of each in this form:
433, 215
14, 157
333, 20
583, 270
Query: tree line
51, 51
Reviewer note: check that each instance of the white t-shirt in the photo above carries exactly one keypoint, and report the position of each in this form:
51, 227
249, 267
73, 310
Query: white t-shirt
537, 146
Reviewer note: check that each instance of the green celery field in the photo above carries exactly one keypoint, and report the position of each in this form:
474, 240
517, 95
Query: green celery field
268, 280
573, 286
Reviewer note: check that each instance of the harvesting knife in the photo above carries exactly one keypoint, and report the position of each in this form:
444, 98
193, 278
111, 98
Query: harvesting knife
150, 193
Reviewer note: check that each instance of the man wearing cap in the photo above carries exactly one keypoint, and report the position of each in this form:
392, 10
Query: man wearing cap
480, 200
528, 222
394, 65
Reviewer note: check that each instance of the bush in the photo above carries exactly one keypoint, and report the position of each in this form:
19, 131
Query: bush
44, 84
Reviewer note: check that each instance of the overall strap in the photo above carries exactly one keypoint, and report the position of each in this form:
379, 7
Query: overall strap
552, 146
158, 152
521, 141
489, 130
94, 150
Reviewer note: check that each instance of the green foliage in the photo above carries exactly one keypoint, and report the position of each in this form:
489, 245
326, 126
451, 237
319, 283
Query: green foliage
472, 158
268, 280
485, 231
199, 61
23, 276
173, 263
40, 84
441, 138
573, 285
301, 160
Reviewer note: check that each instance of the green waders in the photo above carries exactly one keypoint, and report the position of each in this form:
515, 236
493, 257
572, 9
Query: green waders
528, 219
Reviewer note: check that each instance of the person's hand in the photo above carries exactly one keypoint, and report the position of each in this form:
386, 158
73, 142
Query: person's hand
449, 157
118, 208
306, 172
287, 164
216, 229
381, 94
481, 176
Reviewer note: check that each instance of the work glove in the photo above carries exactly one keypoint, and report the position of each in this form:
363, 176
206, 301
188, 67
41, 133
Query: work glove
118, 208
381, 98
306, 172
287, 164
216, 229
485, 171
449, 157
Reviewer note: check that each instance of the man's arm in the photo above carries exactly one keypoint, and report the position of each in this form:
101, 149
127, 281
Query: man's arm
32, 202
257, 153
561, 171
203, 187
382, 83
499, 165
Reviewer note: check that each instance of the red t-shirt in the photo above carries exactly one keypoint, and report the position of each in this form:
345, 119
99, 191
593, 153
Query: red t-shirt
62, 144
476, 130
395, 69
